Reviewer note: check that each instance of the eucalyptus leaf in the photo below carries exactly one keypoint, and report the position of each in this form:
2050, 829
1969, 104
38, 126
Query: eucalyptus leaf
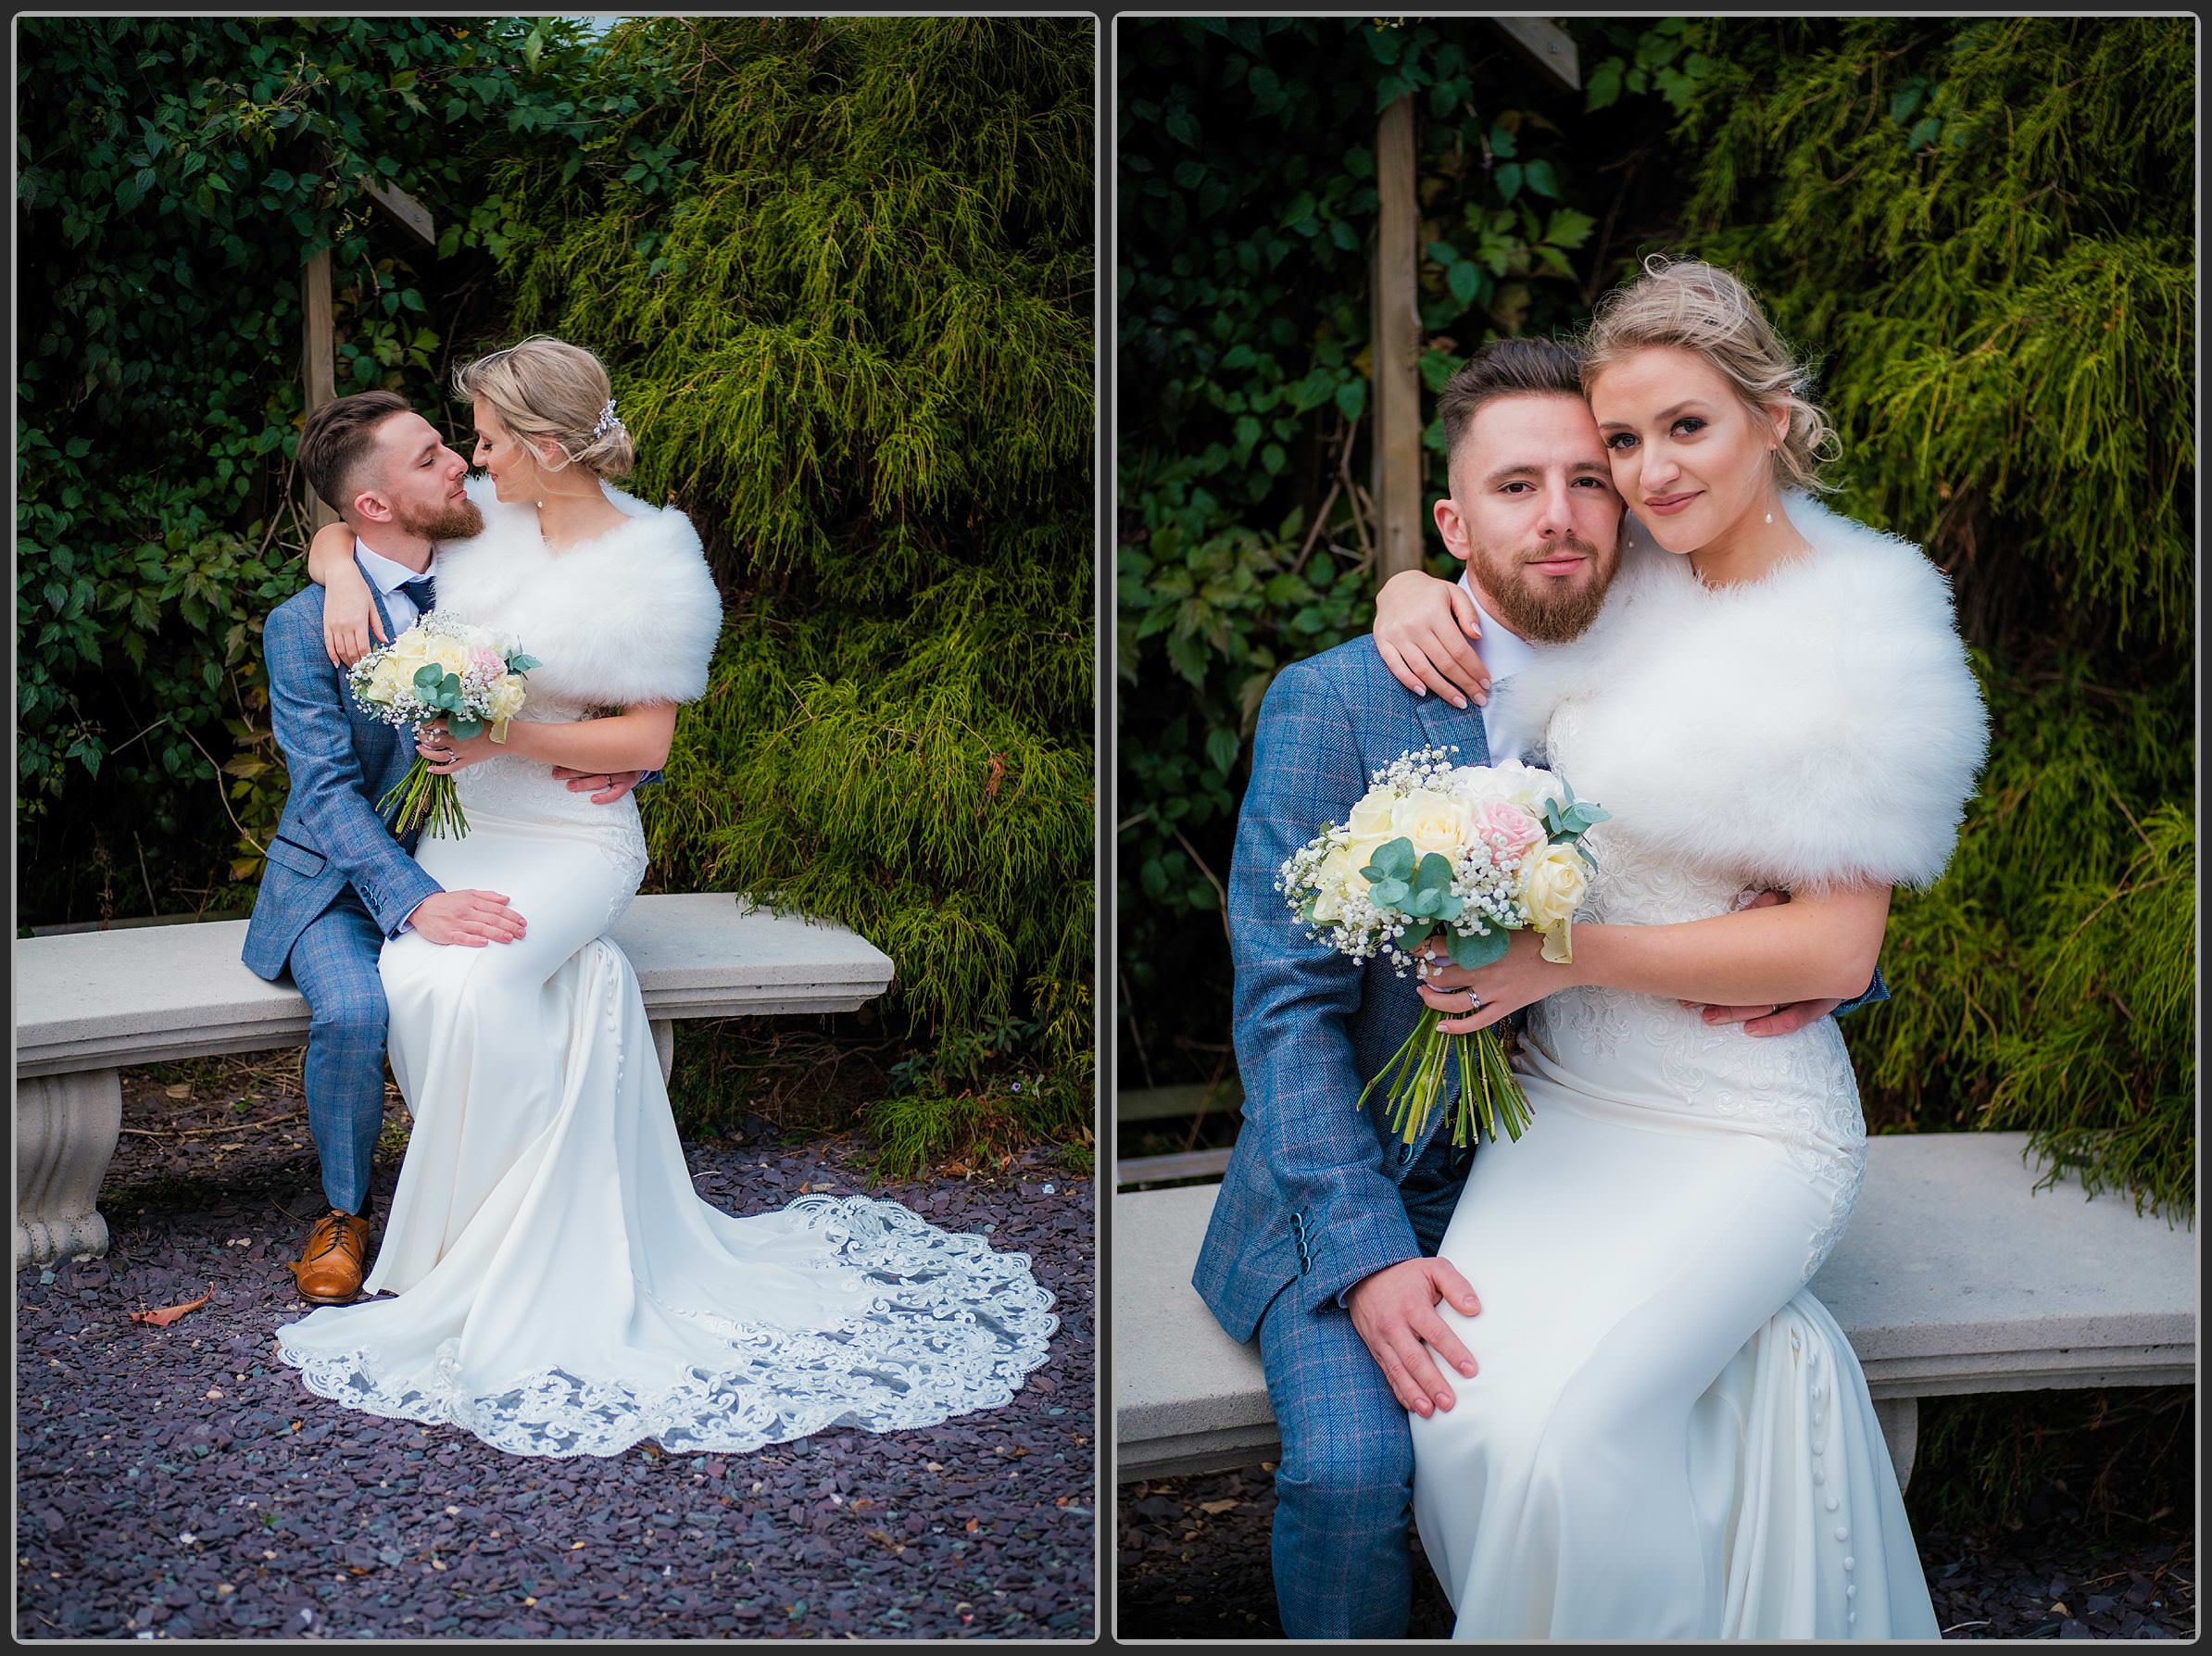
1467, 953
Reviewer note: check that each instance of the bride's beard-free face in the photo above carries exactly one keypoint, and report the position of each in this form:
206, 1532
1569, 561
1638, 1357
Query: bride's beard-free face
1693, 461
505, 459
1533, 514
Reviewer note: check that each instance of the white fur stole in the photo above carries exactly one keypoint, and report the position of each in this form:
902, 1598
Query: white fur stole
1818, 727
631, 616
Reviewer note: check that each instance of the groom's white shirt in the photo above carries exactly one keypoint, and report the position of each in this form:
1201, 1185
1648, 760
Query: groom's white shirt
387, 577
1504, 653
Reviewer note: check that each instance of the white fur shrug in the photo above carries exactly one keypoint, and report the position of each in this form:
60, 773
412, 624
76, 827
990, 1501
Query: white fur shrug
1818, 727
631, 616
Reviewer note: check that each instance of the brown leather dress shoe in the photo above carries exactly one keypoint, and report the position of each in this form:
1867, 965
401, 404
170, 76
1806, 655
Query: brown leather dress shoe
329, 1268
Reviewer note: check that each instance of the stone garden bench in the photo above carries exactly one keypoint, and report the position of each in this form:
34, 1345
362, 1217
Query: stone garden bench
88, 1003
1955, 1276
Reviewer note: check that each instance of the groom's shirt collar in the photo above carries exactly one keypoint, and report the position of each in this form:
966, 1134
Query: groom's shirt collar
1504, 653
388, 575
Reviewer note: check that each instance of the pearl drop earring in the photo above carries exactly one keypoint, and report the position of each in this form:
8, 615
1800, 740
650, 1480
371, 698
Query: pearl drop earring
1770, 517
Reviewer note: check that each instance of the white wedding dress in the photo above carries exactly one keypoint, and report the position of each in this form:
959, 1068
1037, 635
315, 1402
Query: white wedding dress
561, 1290
1668, 1436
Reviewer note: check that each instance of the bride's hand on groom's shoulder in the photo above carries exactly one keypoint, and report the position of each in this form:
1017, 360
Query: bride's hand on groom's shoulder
1422, 631
1519, 977
1395, 1312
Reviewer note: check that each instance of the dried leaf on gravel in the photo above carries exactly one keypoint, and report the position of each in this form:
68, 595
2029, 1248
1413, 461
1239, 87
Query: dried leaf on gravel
1216, 1507
170, 1313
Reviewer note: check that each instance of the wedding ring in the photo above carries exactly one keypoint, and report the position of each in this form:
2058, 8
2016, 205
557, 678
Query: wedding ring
1474, 1001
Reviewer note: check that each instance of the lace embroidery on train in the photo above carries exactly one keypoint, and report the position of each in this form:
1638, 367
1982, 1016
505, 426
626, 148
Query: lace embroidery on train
948, 1327
1799, 1090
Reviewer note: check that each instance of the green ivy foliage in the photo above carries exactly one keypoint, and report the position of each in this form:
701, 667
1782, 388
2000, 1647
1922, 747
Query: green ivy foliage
173, 174
1245, 535
855, 341
1988, 227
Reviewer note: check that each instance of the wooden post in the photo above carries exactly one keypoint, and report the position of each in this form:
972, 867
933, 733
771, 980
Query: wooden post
1396, 338
319, 364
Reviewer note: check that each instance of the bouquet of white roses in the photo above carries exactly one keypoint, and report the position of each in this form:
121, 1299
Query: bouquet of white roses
471, 677
1465, 853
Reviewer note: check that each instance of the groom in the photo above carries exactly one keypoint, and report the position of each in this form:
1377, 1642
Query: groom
1323, 1236
338, 882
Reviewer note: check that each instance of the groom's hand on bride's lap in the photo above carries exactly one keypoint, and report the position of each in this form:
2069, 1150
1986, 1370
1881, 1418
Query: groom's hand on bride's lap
1395, 1312
605, 788
467, 919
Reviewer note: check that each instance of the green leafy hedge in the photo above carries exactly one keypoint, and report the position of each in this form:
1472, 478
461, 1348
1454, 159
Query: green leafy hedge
856, 343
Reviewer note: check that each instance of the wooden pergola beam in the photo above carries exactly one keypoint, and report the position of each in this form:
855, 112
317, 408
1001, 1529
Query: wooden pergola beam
1544, 45
318, 351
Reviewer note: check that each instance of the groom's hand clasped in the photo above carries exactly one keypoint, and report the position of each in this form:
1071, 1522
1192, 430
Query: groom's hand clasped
1395, 1312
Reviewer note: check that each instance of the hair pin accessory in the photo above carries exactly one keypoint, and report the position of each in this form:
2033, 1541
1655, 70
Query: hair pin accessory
606, 420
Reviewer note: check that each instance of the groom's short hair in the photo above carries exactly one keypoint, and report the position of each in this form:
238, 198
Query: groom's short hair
1505, 368
338, 438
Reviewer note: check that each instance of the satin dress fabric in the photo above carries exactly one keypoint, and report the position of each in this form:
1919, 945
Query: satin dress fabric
561, 1286
1668, 1436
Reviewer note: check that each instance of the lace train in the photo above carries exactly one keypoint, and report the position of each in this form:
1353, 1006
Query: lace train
949, 1326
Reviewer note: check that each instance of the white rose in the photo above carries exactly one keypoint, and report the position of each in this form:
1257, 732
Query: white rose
1529, 785
507, 696
390, 679
1371, 816
1336, 871
1433, 822
1553, 883
451, 654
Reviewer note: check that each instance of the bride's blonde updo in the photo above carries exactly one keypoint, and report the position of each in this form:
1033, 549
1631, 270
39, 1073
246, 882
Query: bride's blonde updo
546, 389
1696, 306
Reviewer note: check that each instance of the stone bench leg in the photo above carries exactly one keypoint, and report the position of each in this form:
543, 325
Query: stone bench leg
67, 1127
664, 1044
1900, 1420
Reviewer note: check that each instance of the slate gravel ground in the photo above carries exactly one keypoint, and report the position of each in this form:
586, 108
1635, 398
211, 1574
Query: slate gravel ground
180, 1482
1193, 1564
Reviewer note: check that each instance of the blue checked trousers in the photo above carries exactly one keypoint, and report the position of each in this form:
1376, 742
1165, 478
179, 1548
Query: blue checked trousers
1344, 1487
334, 964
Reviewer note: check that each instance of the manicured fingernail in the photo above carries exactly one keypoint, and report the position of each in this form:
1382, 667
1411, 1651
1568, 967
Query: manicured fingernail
1459, 701
1483, 697
1468, 1369
1420, 690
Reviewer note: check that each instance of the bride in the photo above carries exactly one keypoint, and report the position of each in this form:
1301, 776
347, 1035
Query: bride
1666, 1435
561, 1288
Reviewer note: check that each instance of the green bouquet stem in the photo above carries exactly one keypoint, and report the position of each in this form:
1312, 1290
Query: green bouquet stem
426, 801
1489, 1093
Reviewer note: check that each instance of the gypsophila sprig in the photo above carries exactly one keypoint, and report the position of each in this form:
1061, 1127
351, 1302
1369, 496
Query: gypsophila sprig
1463, 854
440, 669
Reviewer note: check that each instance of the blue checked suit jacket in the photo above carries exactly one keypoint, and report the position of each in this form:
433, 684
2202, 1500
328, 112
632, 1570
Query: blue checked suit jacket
340, 762
1310, 1196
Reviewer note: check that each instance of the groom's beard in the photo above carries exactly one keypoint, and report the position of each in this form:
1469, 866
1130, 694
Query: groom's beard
456, 521
1541, 609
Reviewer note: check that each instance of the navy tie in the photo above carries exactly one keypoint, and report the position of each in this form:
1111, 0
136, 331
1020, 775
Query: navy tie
422, 592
